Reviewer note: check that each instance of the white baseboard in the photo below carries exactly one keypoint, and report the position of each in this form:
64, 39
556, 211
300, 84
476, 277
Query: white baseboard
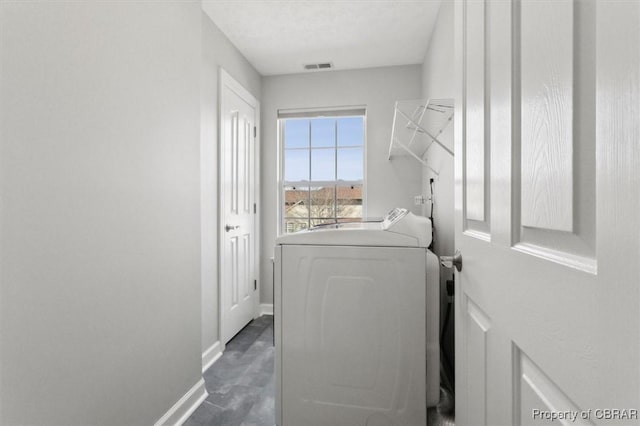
185, 406
266, 309
211, 355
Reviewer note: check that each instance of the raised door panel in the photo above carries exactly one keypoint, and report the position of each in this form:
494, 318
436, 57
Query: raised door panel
538, 400
248, 167
476, 118
232, 179
233, 273
244, 165
246, 261
477, 326
475, 111
546, 47
554, 132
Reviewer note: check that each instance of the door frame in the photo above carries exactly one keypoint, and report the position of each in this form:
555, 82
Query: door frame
226, 80
458, 180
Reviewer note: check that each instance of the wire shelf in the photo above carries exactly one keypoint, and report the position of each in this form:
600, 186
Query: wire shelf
417, 124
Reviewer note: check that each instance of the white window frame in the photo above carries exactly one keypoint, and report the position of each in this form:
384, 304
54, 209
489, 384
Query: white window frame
336, 112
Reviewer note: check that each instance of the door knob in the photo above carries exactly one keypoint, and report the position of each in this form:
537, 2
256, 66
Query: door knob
231, 227
452, 261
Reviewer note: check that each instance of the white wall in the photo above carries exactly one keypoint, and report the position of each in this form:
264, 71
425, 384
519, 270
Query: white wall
217, 51
388, 184
100, 213
437, 82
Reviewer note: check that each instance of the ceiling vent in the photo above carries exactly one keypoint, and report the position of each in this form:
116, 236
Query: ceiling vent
321, 66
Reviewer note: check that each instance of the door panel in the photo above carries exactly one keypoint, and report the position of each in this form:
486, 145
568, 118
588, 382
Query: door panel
546, 87
535, 393
233, 162
554, 124
548, 307
476, 163
475, 112
477, 326
238, 224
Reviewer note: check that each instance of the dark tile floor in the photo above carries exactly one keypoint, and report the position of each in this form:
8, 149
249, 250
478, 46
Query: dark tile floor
241, 384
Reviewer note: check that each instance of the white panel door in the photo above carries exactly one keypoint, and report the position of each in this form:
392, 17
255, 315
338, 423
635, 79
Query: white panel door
238, 283
548, 300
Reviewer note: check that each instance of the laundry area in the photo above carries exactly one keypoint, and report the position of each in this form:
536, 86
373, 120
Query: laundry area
319, 212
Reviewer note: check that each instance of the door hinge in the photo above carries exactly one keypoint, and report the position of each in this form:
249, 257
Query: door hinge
255, 132
255, 284
255, 208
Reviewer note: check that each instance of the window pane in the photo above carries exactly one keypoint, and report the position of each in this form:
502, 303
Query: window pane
350, 164
296, 202
351, 131
349, 202
296, 164
323, 150
323, 202
296, 134
323, 164
323, 132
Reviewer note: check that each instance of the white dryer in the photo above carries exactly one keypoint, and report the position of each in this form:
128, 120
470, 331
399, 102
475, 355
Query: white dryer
356, 324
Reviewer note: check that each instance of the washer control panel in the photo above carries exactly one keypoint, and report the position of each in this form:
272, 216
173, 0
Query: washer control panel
393, 217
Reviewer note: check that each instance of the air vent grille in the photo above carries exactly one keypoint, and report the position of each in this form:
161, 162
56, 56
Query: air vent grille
320, 66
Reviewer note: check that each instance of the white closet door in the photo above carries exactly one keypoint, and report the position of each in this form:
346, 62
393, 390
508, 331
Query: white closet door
238, 189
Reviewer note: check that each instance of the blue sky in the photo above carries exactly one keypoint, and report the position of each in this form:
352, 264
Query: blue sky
321, 137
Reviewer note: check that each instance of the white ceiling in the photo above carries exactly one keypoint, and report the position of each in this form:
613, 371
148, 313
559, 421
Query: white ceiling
279, 37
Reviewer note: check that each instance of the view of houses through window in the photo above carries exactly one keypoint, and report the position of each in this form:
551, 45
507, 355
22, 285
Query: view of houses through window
322, 171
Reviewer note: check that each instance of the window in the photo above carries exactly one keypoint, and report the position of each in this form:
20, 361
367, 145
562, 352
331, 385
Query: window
322, 173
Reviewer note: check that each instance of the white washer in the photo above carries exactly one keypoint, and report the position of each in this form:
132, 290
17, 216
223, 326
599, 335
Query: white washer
356, 324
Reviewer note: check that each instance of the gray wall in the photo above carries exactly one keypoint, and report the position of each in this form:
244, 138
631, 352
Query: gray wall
388, 183
438, 82
217, 51
100, 213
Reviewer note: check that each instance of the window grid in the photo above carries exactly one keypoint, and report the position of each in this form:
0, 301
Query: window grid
312, 185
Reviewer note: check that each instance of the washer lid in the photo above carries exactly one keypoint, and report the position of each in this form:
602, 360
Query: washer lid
398, 229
